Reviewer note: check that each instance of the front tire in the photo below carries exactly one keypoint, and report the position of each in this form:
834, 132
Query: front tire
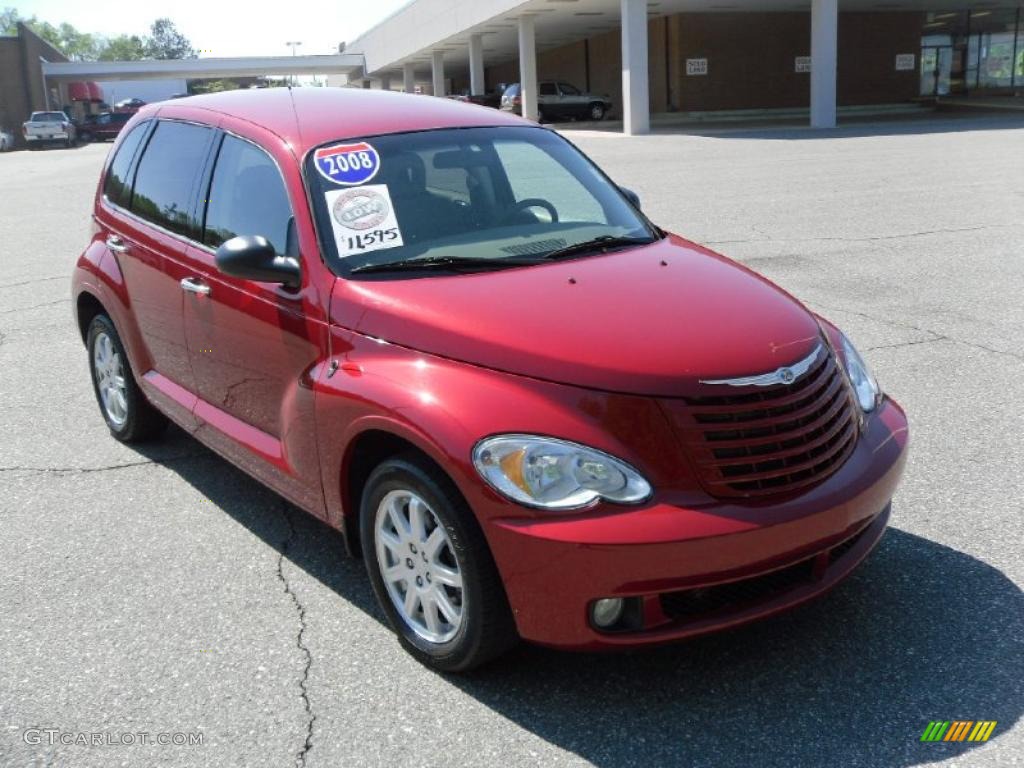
129, 415
431, 568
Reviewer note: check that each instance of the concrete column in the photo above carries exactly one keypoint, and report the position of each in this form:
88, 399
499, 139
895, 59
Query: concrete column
636, 106
824, 59
476, 65
437, 64
409, 78
528, 66
385, 82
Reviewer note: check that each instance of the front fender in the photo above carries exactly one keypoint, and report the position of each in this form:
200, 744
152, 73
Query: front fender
444, 408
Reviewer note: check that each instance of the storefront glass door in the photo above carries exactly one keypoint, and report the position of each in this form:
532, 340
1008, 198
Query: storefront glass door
936, 70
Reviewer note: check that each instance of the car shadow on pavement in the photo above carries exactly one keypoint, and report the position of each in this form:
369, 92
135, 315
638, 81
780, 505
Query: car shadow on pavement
920, 632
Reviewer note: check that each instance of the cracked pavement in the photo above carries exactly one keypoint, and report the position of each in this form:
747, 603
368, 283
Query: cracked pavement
158, 589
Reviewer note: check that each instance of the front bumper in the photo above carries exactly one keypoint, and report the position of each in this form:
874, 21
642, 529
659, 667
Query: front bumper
697, 570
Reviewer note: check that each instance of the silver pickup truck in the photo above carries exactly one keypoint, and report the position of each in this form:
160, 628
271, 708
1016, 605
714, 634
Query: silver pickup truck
44, 127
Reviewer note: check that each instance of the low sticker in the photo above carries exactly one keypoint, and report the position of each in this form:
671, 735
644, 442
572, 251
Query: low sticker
348, 164
363, 220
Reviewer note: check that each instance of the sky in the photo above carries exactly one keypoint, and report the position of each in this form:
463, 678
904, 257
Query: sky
222, 28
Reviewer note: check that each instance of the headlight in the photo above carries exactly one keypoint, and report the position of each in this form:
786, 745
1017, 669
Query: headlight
556, 474
864, 383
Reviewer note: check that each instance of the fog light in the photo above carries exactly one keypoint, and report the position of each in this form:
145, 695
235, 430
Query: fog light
606, 612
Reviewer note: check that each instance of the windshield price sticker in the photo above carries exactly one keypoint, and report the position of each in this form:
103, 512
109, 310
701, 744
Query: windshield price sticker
363, 220
348, 164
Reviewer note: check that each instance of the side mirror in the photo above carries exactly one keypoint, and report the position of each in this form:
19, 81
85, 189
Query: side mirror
632, 196
253, 258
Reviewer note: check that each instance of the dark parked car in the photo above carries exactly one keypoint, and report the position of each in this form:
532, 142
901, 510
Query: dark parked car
558, 101
130, 106
104, 126
445, 332
490, 99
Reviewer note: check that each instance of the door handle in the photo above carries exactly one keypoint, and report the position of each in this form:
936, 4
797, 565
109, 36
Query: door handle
195, 285
115, 243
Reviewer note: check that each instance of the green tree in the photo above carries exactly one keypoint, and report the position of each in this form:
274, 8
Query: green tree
77, 46
9, 18
166, 42
196, 87
163, 42
123, 48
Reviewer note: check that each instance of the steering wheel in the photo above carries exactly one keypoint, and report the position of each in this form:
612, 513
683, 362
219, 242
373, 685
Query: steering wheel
530, 202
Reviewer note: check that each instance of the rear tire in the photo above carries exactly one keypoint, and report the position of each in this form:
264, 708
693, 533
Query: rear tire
129, 415
434, 543
597, 111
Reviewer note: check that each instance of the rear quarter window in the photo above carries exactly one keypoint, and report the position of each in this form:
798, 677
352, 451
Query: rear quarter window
117, 186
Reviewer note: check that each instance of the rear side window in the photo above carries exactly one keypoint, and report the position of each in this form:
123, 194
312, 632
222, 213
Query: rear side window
548, 89
167, 176
116, 186
247, 197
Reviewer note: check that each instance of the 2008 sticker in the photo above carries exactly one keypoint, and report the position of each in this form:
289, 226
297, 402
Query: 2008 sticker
347, 164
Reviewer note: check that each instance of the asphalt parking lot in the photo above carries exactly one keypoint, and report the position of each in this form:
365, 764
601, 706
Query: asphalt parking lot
159, 590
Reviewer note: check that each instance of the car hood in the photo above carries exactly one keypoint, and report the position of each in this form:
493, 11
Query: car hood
652, 320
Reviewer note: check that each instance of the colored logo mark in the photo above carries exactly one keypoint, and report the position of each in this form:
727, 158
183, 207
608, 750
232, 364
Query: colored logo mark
958, 730
348, 164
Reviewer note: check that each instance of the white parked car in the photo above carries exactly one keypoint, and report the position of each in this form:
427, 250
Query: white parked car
43, 127
6, 140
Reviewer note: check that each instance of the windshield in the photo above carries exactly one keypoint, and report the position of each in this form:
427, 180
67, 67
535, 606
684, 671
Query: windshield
487, 194
47, 117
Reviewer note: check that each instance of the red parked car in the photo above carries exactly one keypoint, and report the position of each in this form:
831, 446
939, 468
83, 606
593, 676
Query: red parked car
444, 331
102, 127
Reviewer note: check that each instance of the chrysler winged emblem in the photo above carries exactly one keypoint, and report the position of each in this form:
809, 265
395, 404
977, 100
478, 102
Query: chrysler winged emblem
785, 375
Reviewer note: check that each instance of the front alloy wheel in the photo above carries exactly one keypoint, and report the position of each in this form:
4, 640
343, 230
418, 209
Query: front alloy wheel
419, 566
431, 568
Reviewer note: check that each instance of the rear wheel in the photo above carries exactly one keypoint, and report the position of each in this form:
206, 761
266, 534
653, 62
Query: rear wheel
597, 111
129, 415
431, 568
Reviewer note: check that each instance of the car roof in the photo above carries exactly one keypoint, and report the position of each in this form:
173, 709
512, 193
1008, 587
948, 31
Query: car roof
309, 117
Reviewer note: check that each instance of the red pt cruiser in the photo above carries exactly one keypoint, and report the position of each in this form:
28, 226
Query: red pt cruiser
444, 331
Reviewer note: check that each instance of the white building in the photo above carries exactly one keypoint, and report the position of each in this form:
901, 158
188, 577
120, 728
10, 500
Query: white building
701, 55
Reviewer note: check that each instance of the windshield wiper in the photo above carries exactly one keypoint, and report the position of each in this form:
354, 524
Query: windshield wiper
596, 245
454, 263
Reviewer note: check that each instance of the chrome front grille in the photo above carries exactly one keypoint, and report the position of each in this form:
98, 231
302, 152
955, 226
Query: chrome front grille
772, 440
